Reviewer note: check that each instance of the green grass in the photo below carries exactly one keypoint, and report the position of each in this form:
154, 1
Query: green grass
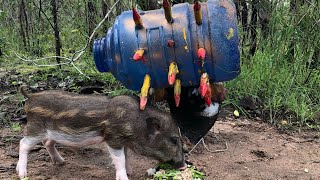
15, 127
281, 81
280, 86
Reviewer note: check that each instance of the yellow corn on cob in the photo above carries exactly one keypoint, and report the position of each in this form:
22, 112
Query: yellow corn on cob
177, 91
173, 70
144, 91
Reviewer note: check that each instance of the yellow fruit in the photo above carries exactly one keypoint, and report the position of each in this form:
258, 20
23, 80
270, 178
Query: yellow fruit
145, 86
177, 86
236, 113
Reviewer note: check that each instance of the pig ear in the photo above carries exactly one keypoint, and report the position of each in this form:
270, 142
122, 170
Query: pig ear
153, 126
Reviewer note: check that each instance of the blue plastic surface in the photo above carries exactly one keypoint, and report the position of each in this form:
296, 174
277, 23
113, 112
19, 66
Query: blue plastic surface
218, 34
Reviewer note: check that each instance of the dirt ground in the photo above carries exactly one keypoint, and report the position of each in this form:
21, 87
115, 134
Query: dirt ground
255, 150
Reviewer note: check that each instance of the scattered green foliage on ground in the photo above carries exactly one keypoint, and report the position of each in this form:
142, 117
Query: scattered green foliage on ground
167, 172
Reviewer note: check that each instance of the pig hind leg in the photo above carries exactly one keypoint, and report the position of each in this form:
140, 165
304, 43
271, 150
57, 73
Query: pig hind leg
49, 144
26, 145
119, 161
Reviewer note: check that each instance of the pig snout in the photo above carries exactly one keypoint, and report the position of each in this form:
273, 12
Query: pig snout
178, 165
183, 166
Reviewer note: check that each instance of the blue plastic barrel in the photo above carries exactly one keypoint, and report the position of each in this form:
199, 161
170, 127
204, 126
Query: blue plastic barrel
217, 34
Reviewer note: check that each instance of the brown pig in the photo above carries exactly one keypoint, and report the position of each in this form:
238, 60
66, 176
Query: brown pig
80, 120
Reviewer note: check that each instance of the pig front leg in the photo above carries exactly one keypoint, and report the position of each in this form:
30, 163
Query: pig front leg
26, 145
128, 167
119, 161
55, 156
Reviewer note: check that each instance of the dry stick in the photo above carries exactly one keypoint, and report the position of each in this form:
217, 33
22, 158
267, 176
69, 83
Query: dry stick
77, 54
40, 59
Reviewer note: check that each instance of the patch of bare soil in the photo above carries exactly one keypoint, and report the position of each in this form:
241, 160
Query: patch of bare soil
255, 150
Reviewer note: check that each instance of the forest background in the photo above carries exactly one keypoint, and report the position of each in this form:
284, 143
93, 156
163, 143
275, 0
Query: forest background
279, 43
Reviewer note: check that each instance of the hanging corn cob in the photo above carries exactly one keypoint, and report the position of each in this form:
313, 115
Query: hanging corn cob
173, 71
138, 55
144, 91
204, 84
167, 10
170, 43
207, 97
201, 53
197, 12
177, 92
201, 56
136, 18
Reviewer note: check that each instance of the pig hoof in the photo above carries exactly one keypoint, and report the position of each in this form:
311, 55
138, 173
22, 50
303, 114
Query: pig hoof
21, 172
58, 161
121, 176
129, 171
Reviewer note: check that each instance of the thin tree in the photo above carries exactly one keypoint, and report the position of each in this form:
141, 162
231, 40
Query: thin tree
104, 10
56, 30
254, 26
39, 52
294, 8
23, 19
264, 17
91, 20
91, 14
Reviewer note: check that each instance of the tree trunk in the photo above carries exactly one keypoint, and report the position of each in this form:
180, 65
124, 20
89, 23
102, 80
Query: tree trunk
40, 9
264, 17
26, 23
40, 22
104, 11
31, 24
254, 26
244, 15
148, 5
244, 21
56, 30
91, 14
104, 8
21, 25
237, 3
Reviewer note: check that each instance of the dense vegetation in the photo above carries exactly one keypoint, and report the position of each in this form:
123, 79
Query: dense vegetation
280, 50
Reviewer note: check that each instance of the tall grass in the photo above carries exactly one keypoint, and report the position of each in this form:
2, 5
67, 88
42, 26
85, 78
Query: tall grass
288, 86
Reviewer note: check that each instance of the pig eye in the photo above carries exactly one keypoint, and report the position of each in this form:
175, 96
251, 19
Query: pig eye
174, 140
